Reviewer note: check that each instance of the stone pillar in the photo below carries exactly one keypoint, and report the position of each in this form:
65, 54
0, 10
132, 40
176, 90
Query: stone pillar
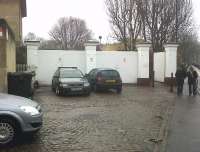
3, 57
32, 52
32, 55
143, 64
3, 68
170, 61
90, 48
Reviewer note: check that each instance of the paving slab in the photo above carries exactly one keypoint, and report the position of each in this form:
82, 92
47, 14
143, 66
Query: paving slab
102, 122
184, 130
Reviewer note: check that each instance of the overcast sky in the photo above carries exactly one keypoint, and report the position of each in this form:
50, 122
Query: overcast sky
43, 14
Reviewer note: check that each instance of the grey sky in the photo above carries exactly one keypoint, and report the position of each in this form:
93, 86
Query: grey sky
43, 14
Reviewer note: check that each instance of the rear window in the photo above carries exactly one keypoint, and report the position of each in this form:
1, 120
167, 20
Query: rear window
70, 73
109, 74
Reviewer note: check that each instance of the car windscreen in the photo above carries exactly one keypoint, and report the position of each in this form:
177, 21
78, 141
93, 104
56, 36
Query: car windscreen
70, 73
109, 74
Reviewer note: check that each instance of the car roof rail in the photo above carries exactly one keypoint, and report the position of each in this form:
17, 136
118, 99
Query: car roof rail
69, 67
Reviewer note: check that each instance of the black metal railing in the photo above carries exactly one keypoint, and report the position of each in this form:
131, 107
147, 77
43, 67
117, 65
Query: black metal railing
21, 67
25, 68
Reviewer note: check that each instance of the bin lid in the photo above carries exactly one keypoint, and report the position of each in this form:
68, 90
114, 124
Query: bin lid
21, 74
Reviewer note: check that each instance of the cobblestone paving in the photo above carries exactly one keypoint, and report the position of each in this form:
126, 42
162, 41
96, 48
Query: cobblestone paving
103, 122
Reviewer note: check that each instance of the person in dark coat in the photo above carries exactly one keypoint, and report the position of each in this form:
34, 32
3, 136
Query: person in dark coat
195, 82
190, 81
180, 76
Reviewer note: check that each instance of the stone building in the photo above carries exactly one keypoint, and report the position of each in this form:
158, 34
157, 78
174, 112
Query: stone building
11, 14
13, 11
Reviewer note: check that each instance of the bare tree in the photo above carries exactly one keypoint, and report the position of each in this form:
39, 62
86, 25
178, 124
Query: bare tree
165, 20
134, 22
70, 33
125, 20
183, 22
49, 45
158, 21
32, 37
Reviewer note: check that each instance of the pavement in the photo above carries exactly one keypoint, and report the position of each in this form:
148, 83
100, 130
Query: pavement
102, 122
184, 129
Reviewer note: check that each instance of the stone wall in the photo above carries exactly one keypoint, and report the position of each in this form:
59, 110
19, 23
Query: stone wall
133, 66
2, 64
7, 54
10, 10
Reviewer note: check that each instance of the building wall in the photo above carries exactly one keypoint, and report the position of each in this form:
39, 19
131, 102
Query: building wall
11, 54
11, 16
3, 69
10, 10
7, 56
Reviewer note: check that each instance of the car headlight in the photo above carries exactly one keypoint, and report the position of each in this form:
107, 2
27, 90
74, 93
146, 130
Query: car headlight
86, 84
63, 85
30, 110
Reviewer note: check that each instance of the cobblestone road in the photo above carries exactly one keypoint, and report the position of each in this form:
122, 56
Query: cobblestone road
103, 122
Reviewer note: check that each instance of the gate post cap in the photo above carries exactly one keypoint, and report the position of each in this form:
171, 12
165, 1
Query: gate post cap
92, 43
171, 45
146, 44
32, 43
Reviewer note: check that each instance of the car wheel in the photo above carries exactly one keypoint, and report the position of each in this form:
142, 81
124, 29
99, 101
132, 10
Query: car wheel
8, 132
58, 92
119, 90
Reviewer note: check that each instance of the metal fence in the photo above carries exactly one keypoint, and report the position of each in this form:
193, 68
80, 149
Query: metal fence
21, 67
25, 68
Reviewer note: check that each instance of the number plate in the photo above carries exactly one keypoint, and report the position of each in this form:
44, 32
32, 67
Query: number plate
110, 81
76, 89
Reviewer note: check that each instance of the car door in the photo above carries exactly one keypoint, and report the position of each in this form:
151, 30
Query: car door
55, 80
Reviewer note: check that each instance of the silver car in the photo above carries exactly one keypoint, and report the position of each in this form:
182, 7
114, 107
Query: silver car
18, 115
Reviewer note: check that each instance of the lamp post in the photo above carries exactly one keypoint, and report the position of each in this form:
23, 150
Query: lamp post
100, 38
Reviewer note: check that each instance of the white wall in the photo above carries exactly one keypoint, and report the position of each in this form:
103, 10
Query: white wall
50, 60
159, 66
91, 60
131, 65
143, 61
124, 62
171, 63
47, 61
170, 59
32, 56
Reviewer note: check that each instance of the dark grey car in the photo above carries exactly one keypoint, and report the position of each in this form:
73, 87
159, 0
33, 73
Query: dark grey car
105, 79
70, 80
18, 115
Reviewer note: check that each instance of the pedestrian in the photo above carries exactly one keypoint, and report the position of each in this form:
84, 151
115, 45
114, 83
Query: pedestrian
195, 82
180, 76
190, 81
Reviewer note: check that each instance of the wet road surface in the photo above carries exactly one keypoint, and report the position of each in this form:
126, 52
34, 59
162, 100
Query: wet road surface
102, 122
184, 131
